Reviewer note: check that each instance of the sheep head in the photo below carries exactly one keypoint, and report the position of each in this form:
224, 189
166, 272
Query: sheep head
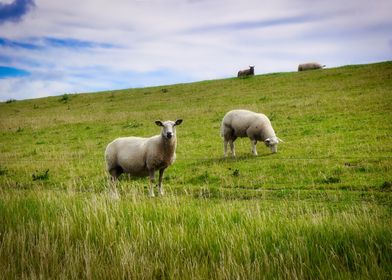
272, 143
168, 128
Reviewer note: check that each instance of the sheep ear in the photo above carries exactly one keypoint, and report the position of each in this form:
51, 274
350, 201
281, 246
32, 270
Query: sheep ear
159, 123
178, 122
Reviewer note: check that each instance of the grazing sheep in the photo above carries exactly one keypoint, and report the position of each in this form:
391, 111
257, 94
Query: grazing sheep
247, 72
244, 123
141, 157
310, 66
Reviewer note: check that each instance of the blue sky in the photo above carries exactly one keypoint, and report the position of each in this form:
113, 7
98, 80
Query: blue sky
54, 47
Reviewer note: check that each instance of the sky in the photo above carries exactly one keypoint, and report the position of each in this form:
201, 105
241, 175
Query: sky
55, 47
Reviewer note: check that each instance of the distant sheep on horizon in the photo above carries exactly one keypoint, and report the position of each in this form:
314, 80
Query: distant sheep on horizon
244, 123
141, 157
310, 66
247, 72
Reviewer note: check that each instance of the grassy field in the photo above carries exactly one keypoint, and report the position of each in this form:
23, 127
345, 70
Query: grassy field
321, 208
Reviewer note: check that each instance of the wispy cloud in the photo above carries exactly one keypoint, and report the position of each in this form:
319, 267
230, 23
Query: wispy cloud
15, 11
51, 42
255, 24
74, 43
17, 44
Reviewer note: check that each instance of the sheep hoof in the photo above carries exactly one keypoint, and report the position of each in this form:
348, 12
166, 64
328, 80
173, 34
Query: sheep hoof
151, 194
161, 193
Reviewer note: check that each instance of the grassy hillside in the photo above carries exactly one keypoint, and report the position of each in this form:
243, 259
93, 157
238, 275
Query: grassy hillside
319, 208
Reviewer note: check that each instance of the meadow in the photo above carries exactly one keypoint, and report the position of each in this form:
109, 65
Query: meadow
321, 208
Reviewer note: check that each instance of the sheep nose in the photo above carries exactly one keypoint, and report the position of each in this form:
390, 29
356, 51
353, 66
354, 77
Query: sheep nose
169, 135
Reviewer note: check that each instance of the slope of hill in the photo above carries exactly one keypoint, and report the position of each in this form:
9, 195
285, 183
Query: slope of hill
319, 208
336, 125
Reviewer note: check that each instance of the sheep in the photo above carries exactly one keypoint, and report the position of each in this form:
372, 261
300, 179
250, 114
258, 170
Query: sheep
244, 123
310, 66
247, 72
141, 157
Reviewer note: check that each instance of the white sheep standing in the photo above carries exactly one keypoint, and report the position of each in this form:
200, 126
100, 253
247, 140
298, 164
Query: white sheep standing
310, 66
141, 157
244, 123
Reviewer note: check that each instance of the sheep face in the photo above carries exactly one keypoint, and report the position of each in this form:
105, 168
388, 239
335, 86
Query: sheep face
272, 143
168, 128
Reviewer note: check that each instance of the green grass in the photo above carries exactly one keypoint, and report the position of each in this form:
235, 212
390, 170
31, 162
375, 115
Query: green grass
69, 235
320, 208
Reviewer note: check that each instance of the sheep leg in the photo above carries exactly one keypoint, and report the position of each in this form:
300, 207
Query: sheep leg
253, 143
232, 148
152, 182
115, 173
225, 147
160, 187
